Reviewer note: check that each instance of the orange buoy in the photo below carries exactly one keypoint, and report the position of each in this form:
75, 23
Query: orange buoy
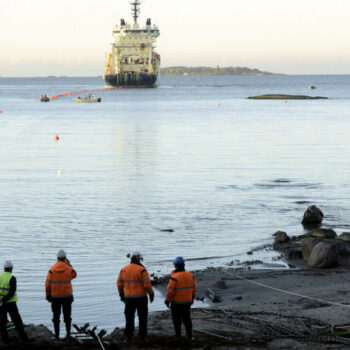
285, 101
219, 104
0, 110
57, 137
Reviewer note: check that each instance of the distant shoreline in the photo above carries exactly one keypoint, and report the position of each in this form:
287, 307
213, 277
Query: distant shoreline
207, 71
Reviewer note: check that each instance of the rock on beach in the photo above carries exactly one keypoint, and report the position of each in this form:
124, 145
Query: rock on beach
323, 255
313, 216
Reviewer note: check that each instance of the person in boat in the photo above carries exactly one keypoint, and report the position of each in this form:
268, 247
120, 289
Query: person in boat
133, 286
181, 291
59, 291
8, 304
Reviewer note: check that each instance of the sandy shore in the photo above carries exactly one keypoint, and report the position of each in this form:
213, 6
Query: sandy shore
249, 315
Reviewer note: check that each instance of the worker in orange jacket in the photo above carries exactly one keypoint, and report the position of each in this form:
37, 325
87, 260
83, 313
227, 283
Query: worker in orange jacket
133, 286
180, 296
59, 291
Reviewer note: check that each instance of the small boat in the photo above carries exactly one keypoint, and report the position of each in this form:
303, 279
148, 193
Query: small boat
88, 98
44, 98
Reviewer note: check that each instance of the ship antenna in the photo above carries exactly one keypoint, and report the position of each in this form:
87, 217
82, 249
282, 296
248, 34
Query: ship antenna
135, 9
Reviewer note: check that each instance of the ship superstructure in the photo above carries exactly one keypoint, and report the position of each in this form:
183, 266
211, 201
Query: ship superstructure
132, 61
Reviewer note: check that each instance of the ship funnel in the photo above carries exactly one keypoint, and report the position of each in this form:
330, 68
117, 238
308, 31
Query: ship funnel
148, 23
122, 22
135, 9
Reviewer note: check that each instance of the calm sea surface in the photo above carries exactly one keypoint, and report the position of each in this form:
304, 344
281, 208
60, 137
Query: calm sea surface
193, 155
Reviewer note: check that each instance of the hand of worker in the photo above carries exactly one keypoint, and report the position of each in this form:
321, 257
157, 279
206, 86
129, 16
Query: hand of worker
49, 298
167, 303
122, 298
151, 298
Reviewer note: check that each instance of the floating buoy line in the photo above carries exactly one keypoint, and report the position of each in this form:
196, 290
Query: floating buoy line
80, 91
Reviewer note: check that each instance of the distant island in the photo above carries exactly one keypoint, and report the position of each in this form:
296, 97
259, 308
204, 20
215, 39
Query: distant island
198, 71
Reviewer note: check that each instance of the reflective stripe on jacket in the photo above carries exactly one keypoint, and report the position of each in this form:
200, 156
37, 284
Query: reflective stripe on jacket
134, 282
5, 278
181, 288
58, 281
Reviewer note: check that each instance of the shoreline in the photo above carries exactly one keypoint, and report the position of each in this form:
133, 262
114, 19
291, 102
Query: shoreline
247, 314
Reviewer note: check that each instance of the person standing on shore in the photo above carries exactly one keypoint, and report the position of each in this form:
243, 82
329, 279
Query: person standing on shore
8, 303
180, 296
59, 291
133, 286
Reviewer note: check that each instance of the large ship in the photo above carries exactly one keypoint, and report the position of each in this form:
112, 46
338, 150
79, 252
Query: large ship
132, 61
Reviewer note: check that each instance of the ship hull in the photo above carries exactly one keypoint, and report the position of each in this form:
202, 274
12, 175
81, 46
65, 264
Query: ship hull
130, 80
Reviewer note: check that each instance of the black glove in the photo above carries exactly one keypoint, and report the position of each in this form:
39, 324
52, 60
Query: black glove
49, 298
167, 303
122, 298
151, 298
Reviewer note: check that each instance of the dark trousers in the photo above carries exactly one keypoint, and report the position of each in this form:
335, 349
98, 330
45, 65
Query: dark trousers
12, 310
64, 304
181, 313
131, 305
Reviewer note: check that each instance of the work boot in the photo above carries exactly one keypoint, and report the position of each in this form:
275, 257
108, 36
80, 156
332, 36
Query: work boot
68, 326
56, 326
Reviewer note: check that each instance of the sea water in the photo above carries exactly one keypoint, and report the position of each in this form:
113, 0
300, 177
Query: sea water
192, 155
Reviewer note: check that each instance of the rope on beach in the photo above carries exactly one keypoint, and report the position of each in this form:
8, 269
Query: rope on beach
285, 291
213, 334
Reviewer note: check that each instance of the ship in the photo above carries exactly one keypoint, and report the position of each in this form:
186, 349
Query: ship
132, 60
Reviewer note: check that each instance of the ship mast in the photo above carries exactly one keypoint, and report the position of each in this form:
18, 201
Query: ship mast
135, 9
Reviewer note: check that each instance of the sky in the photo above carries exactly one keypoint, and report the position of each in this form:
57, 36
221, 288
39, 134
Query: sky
72, 37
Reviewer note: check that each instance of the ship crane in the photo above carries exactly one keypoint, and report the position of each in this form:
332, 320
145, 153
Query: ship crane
135, 9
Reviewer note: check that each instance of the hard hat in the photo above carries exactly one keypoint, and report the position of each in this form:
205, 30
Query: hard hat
179, 261
61, 254
137, 254
8, 264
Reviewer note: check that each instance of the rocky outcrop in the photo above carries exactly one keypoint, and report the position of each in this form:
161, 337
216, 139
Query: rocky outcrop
324, 255
313, 217
345, 236
323, 233
281, 237
307, 245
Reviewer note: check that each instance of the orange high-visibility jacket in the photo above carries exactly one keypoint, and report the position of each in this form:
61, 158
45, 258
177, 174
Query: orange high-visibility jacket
58, 281
134, 282
181, 288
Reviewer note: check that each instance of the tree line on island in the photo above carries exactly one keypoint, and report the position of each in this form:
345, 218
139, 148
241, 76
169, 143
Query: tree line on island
198, 71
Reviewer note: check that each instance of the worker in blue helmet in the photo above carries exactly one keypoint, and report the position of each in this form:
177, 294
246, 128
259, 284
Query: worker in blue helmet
180, 296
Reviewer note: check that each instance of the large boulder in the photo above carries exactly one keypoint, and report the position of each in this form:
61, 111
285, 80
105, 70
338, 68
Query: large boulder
345, 236
313, 216
307, 245
323, 233
323, 255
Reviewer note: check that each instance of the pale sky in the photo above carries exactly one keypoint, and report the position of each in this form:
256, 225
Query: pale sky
71, 37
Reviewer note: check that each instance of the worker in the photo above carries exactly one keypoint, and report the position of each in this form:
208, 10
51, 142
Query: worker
8, 303
59, 291
133, 286
180, 296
